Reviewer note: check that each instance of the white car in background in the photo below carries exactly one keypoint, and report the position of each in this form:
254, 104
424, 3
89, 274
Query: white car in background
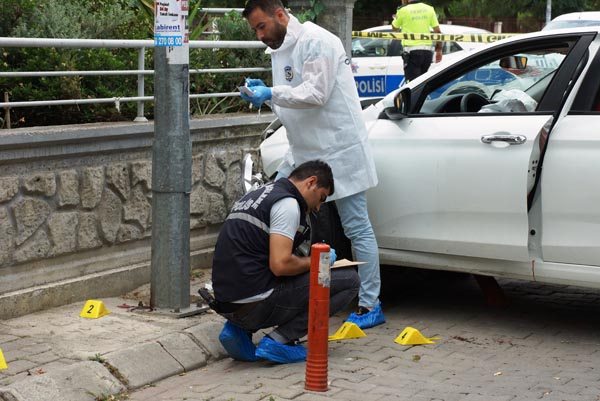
377, 63
574, 20
489, 173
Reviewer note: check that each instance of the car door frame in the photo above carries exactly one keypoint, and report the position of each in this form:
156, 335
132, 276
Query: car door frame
568, 216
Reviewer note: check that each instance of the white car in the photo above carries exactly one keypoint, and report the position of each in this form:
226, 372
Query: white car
574, 20
377, 63
495, 177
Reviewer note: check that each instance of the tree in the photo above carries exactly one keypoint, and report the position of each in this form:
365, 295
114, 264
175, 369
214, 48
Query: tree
493, 9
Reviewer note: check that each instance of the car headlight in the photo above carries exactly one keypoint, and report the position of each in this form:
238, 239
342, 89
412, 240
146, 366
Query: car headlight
250, 180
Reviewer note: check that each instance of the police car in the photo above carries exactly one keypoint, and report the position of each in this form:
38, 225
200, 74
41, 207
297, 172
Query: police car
494, 176
377, 62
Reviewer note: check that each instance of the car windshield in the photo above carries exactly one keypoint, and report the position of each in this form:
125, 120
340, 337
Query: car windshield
517, 71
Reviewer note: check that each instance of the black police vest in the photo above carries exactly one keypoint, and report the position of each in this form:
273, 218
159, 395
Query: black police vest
241, 259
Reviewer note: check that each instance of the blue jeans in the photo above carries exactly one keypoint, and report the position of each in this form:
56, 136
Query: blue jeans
287, 306
357, 227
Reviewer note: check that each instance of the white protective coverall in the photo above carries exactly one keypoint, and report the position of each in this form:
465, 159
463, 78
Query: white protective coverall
315, 98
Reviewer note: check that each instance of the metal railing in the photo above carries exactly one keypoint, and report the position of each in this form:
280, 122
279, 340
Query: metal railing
141, 46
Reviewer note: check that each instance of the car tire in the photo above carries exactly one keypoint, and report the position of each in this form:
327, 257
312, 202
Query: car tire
327, 228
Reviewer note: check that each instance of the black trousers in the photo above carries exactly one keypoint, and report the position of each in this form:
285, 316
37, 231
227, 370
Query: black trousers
287, 307
417, 63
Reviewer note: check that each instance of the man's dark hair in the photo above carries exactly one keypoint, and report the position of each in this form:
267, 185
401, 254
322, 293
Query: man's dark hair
268, 6
318, 168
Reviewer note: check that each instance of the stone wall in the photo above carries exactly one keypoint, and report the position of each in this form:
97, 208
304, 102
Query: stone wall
75, 202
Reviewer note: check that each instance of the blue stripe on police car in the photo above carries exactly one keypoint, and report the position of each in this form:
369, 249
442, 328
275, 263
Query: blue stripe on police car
377, 85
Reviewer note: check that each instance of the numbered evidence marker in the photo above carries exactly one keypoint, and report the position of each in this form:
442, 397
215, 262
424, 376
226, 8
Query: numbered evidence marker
94, 309
3, 364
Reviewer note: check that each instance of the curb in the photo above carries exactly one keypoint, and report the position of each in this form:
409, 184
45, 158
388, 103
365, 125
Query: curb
123, 370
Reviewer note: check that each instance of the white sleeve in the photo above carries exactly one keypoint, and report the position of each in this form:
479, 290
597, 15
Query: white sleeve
285, 217
319, 71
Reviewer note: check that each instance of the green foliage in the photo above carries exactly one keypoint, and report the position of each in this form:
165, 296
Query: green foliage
74, 19
509, 8
97, 19
11, 12
70, 19
534, 10
315, 8
97, 358
70, 87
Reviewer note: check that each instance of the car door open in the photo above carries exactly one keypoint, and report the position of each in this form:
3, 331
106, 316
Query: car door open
456, 177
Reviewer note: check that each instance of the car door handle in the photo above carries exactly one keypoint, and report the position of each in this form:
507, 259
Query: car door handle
506, 138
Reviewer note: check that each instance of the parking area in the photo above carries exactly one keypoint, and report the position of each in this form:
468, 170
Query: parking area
543, 346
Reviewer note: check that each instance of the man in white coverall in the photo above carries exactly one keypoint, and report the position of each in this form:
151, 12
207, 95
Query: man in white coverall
315, 98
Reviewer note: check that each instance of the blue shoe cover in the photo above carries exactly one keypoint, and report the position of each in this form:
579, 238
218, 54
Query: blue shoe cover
237, 342
280, 353
367, 320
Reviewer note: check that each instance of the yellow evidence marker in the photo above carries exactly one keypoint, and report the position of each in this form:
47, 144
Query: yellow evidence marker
412, 336
3, 364
346, 331
94, 309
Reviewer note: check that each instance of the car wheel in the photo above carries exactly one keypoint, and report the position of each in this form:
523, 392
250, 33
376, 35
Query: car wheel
327, 227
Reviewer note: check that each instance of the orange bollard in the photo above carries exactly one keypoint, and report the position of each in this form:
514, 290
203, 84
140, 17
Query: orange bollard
318, 318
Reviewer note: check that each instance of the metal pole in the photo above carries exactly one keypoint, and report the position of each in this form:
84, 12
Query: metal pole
171, 160
548, 10
7, 112
140, 86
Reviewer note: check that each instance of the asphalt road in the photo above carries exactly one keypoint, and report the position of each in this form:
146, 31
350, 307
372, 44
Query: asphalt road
545, 345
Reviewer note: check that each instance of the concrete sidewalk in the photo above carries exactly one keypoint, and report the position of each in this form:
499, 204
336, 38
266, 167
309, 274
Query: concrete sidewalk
58, 355
544, 345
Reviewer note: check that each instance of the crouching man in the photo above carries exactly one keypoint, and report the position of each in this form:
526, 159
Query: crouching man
261, 264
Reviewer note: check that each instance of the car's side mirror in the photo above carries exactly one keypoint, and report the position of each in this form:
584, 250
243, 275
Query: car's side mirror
401, 106
514, 62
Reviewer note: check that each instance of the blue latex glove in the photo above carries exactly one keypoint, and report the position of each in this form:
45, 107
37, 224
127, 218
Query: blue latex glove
245, 97
254, 82
261, 95
332, 256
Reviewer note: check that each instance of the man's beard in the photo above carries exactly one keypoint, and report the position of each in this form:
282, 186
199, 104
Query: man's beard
277, 37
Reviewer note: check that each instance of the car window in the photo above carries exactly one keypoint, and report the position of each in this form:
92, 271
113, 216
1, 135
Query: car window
509, 83
377, 47
450, 47
372, 47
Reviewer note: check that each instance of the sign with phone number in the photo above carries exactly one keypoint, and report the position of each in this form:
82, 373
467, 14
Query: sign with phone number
170, 24
168, 41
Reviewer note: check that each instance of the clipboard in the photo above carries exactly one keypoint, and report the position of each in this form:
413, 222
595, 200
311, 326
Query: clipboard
345, 263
